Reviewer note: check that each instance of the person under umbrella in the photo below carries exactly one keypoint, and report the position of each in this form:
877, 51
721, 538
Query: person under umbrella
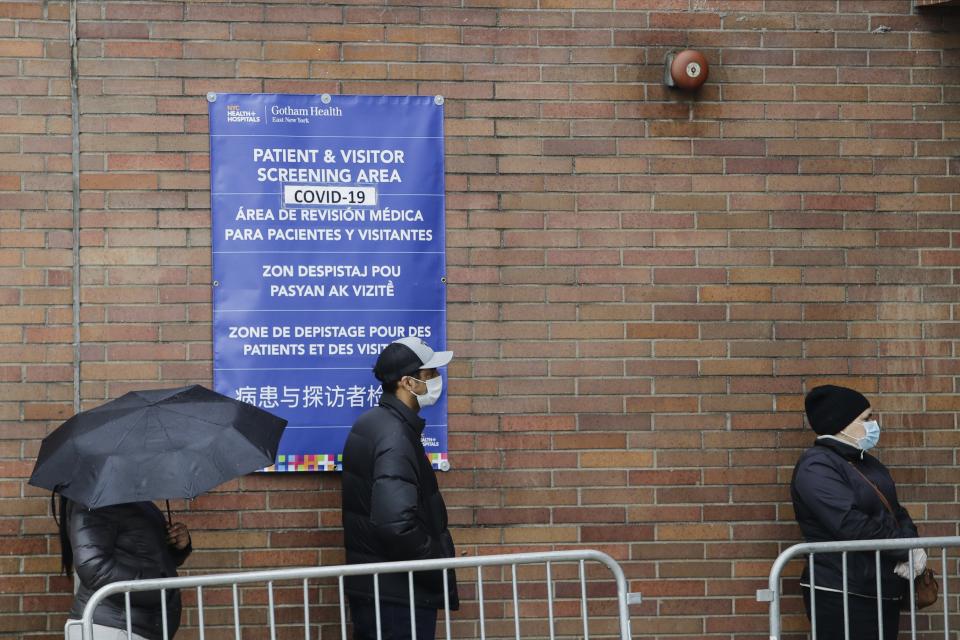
109, 463
129, 541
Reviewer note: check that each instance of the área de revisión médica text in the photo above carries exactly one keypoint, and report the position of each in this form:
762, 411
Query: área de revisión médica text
331, 215
335, 234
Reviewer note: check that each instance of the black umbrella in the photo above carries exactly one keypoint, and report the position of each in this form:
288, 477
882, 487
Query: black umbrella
155, 445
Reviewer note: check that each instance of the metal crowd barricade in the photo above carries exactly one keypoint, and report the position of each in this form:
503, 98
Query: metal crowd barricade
773, 593
560, 591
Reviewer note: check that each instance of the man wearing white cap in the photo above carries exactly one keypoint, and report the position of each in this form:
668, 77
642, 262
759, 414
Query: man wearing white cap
392, 507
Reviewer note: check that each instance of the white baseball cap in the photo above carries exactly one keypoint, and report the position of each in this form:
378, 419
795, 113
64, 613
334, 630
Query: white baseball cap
431, 359
408, 355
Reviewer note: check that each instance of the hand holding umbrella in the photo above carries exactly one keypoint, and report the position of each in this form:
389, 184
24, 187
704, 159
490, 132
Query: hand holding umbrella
178, 536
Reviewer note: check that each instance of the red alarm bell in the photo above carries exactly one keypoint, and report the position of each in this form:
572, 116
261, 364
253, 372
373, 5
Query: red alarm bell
686, 70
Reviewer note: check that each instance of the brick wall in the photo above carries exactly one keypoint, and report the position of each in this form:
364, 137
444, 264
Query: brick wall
642, 283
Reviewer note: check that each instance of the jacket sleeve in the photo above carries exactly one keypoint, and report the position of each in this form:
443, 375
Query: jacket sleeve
93, 537
828, 495
394, 503
180, 555
906, 522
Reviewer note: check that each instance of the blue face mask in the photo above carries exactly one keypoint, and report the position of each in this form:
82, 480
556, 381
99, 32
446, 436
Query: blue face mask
872, 436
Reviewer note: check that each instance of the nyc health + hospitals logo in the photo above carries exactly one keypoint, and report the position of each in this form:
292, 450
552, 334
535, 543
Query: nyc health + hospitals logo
236, 114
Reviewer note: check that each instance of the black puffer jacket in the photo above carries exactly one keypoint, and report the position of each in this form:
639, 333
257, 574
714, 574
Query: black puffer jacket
833, 502
124, 542
392, 507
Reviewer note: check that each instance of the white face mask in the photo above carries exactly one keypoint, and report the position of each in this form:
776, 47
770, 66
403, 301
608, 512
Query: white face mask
871, 436
434, 389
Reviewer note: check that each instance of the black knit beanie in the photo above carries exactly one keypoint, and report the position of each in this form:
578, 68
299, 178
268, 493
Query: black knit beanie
831, 408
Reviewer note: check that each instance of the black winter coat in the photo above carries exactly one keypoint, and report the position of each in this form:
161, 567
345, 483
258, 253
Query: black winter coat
124, 542
392, 507
833, 502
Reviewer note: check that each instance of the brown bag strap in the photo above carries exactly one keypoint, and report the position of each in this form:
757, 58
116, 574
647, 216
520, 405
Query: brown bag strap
883, 498
926, 587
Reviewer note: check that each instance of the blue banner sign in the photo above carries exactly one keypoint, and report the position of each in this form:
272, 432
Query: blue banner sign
328, 244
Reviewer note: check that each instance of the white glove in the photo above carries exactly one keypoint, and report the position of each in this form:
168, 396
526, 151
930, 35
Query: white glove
919, 564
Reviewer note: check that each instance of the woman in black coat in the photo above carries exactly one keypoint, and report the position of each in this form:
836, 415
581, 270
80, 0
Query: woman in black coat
840, 492
123, 542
